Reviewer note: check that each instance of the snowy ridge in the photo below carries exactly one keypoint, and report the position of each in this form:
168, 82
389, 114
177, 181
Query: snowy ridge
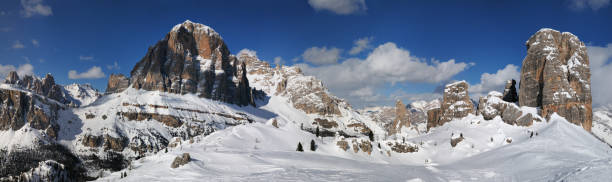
260, 151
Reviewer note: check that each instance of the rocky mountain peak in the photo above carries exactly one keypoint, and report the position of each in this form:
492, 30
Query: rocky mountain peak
402, 118
192, 58
556, 76
456, 104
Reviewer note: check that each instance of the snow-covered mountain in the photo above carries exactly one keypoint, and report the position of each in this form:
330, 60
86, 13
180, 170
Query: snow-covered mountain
191, 111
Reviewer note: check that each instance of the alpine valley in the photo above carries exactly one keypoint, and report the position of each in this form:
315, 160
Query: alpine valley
192, 111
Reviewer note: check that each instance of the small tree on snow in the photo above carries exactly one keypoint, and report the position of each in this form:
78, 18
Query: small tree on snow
313, 146
371, 136
317, 132
299, 147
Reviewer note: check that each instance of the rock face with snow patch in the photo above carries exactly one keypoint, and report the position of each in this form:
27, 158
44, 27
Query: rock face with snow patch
306, 93
402, 118
556, 77
456, 104
192, 58
20, 108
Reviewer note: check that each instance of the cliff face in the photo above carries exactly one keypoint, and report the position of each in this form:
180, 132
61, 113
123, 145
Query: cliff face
192, 58
556, 77
402, 118
456, 104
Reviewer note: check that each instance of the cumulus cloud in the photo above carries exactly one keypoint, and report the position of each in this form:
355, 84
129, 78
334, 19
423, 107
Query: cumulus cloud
495, 82
278, 60
593, 4
341, 7
248, 52
321, 55
360, 45
18, 45
35, 43
92, 73
114, 66
86, 58
35, 7
386, 64
24, 69
601, 71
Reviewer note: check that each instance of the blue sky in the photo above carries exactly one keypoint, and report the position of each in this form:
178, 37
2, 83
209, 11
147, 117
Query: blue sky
480, 37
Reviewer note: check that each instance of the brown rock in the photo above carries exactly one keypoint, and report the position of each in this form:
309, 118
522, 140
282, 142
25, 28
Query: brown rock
343, 145
433, 118
455, 141
117, 83
193, 58
556, 77
180, 160
456, 104
11, 78
403, 148
325, 123
402, 118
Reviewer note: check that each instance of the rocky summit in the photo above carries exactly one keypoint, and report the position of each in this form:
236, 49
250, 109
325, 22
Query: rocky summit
192, 58
456, 104
556, 77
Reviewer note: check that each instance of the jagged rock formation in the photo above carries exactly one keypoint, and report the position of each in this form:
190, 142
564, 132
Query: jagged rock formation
556, 77
20, 108
45, 87
117, 83
510, 94
456, 104
192, 58
402, 118
305, 92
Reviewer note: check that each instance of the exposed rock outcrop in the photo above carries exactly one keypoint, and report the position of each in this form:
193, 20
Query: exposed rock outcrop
556, 77
117, 83
492, 105
192, 58
402, 118
180, 160
20, 108
306, 93
510, 94
456, 104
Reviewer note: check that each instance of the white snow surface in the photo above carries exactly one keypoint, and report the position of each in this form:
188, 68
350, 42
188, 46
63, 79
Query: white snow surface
560, 151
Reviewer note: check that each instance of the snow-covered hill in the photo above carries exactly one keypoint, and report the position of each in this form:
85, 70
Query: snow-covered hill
557, 151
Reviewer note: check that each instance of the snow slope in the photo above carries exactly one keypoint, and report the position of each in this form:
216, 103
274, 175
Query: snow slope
258, 151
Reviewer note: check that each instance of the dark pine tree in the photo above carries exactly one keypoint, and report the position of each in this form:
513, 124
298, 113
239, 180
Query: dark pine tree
317, 132
313, 146
299, 147
371, 136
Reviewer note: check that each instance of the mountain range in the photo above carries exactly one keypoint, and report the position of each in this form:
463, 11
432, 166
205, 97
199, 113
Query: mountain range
192, 111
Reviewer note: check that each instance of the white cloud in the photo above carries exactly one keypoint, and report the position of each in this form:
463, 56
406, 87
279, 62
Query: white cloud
601, 71
495, 82
279, 60
86, 58
321, 55
360, 45
593, 4
92, 73
248, 52
35, 43
35, 7
114, 66
341, 7
24, 69
18, 45
385, 65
